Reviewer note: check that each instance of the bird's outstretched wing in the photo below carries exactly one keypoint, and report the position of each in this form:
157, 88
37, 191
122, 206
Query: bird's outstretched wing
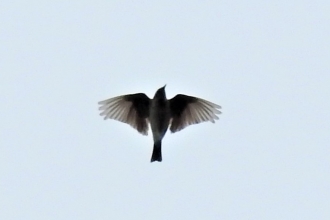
188, 110
132, 109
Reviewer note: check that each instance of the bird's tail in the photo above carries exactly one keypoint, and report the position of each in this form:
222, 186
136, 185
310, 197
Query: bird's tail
157, 152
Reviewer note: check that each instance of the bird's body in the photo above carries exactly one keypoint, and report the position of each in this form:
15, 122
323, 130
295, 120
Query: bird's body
159, 117
159, 121
138, 110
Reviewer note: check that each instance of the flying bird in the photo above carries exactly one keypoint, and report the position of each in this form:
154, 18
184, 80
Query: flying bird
138, 110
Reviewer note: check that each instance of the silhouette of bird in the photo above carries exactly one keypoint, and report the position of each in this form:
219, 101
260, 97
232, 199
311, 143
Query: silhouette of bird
138, 110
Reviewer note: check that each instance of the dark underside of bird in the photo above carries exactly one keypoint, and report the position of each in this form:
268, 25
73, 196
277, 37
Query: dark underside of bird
138, 110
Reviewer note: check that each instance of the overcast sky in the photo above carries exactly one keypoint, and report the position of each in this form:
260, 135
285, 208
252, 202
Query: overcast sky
267, 63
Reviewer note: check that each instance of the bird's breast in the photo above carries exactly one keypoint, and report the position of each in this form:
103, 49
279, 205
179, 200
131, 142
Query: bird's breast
159, 117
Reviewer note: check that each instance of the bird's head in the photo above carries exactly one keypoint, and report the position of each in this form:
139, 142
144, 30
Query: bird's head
160, 94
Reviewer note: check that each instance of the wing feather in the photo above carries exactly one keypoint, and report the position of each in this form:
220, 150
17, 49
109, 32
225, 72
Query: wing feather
131, 109
188, 110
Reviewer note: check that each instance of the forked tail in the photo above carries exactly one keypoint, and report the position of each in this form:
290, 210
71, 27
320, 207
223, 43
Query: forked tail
157, 152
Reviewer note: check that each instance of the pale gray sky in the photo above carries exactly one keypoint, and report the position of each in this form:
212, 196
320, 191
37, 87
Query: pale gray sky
266, 63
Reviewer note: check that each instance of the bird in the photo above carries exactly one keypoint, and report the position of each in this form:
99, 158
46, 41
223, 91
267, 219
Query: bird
138, 110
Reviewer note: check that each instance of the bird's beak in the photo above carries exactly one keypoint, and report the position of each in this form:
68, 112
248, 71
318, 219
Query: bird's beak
164, 86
